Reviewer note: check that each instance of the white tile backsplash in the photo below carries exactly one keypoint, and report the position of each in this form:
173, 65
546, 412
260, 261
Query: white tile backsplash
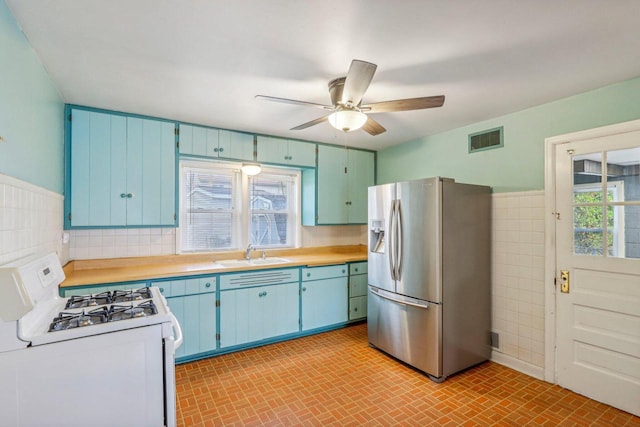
30, 220
518, 274
126, 242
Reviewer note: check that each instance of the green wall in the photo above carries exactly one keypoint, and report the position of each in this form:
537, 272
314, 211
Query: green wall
519, 165
31, 112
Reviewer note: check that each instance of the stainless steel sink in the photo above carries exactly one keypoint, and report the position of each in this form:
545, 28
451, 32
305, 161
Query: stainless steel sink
252, 262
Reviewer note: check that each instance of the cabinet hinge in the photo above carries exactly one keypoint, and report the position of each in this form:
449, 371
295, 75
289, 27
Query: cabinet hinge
217, 303
345, 169
176, 131
178, 145
174, 217
69, 216
69, 116
217, 337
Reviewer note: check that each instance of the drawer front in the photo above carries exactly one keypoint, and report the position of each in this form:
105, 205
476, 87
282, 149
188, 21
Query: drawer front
357, 308
259, 278
358, 285
181, 287
319, 273
358, 268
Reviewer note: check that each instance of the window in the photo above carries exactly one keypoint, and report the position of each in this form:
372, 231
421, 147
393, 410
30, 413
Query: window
222, 209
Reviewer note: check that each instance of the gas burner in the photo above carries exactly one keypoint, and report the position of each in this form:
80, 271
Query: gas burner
81, 301
66, 321
131, 295
122, 312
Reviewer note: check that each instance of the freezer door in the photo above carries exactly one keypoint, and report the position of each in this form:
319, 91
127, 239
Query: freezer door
379, 236
419, 250
406, 328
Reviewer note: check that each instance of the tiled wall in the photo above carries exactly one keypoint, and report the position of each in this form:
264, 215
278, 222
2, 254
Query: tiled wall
114, 243
30, 220
122, 242
518, 275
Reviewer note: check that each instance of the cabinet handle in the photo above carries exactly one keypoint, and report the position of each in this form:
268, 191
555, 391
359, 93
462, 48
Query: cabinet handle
356, 270
129, 195
161, 290
304, 289
221, 150
215, 150
123, 195
308, 274
344, 271
355, 309
207, 285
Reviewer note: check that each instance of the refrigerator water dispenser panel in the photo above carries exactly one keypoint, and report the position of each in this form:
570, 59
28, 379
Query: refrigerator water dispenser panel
377, 236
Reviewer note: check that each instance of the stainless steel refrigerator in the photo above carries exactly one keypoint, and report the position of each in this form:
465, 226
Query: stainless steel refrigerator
429, 295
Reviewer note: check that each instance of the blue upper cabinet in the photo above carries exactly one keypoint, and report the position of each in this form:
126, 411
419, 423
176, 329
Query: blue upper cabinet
215, 143
120, 170
343, 177
286, 151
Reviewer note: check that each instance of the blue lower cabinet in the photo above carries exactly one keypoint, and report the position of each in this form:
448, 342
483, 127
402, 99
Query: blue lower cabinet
193, 302
96, 289
258, 313
324, 302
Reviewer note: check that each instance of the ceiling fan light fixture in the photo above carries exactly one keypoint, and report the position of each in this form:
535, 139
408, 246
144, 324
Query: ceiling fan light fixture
347, 120
251, 169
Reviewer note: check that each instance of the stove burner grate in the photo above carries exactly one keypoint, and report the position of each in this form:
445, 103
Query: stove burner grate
80, 301
122, 312
131, 295
66, 321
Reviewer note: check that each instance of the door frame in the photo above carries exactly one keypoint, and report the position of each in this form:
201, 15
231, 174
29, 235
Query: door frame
550, 293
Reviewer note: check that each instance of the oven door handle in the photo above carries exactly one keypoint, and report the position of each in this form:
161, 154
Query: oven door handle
178, 331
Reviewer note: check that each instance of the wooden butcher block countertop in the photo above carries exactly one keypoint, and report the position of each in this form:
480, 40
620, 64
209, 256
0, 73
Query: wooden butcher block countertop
114, 270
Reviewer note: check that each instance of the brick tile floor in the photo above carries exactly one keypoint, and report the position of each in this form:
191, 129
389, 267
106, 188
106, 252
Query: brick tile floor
336, 379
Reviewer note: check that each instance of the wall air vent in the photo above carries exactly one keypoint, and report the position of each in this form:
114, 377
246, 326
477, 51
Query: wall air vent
486, 140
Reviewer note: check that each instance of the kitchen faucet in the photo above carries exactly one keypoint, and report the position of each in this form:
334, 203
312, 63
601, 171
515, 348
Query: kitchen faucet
247, 254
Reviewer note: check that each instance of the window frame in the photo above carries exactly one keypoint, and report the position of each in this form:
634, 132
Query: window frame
241, 212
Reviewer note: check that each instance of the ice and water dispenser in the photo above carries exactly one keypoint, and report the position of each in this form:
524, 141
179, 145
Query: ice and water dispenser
376, 236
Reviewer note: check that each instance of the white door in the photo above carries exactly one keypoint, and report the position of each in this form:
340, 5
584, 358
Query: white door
598, 246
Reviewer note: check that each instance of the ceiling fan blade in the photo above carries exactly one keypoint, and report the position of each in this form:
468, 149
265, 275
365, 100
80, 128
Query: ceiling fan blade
404, 104
372, 127
357, 81
311, 123
293, 101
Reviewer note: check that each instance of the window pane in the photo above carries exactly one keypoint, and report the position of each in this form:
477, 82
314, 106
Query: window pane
588, 222
207, 219
624, 166
625, 232
271, 205
587, 173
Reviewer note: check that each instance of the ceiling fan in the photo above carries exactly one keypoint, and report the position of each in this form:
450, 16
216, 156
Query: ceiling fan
347, 113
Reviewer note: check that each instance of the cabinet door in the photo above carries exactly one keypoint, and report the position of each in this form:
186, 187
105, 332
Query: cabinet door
197, 317
360, 176
357, 308
302, 153
98, 169
150, 172
235, 145
358, 285
324, 303
332, 186
272, 150
254, 314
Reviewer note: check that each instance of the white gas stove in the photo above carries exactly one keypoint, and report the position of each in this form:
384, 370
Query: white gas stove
122, 340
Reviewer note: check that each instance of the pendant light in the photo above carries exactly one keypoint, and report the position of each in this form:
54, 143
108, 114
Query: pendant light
251, 169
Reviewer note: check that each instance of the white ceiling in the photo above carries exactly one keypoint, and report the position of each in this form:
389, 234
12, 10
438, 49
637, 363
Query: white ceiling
203, 61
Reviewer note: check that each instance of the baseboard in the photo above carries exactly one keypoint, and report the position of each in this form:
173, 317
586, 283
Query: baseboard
518, 365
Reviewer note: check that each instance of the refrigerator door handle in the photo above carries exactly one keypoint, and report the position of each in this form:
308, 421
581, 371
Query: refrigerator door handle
399, 237
391, 239
412, 304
